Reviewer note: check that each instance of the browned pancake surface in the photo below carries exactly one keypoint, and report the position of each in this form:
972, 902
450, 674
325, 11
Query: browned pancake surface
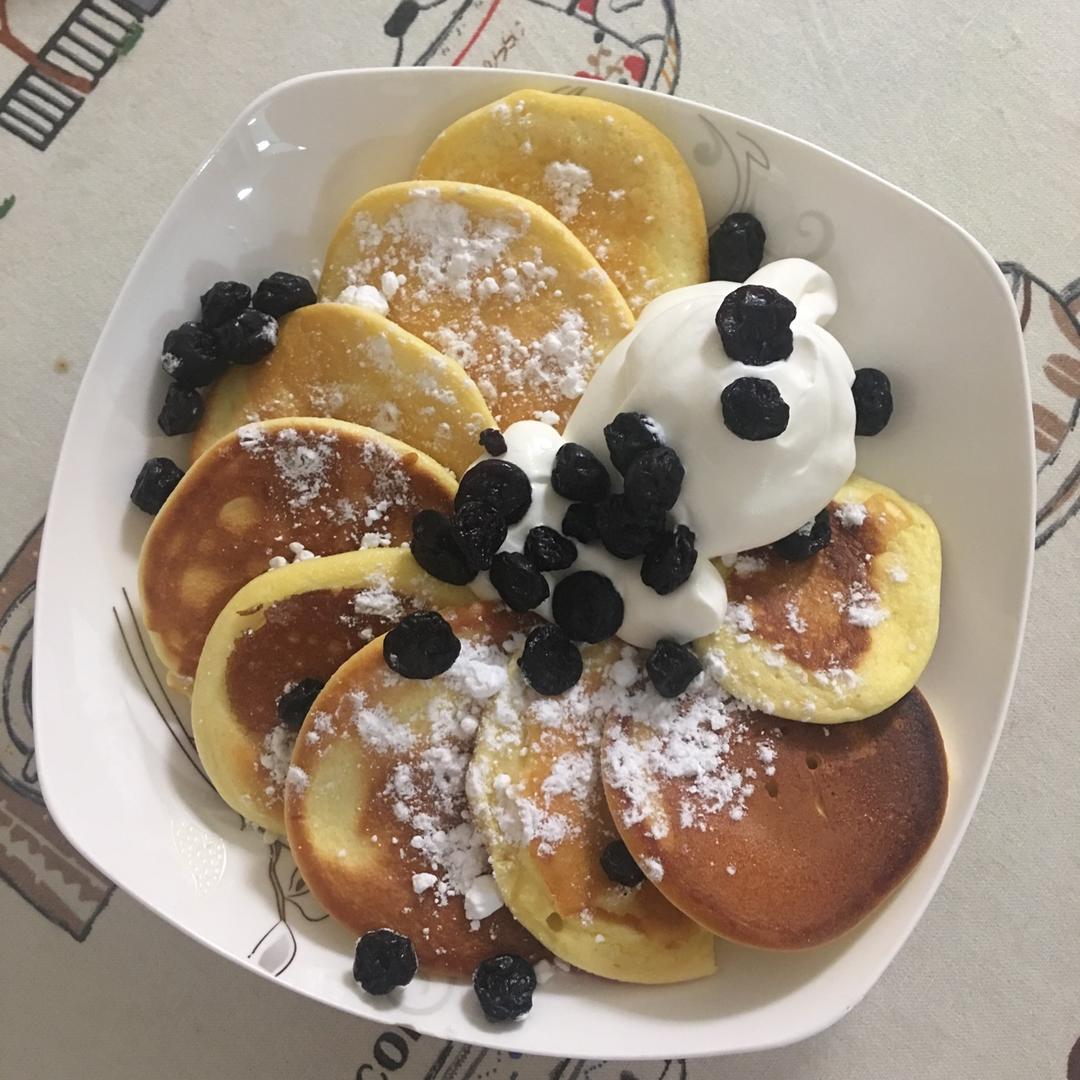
377, 755
778, 834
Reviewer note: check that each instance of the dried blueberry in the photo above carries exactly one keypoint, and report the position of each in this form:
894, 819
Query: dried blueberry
384, 960
547, 549
754, 409
189, 355
180, 411
550, 661
294, 705
672, 667
617, 862
421, 646
654, 480
873, 400
806, 540
579, 475
627, 435
623, 531
755, 324
670, 561
736, 247
500, 483
521, 586
222, 302
587, 606
493, 441
504, 986
155, 483
579, 521
480, 531
282, 292
247, 338
435, 547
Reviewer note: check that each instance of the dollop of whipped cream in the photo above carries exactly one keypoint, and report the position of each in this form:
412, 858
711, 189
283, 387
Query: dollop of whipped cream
738, 494
694, 609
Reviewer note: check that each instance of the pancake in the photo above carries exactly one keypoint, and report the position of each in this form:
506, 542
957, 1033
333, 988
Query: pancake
543, 816
489, 279
769, 832
845, 633
323, 485
606, 172
348, 362
375, 800
300, 622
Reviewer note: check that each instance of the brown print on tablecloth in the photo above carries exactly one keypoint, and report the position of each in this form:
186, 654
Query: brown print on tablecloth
67, 66
1050, 319
635, 43
35, 859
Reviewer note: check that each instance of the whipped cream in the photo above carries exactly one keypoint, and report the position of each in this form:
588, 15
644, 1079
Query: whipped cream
738, 494
694, 609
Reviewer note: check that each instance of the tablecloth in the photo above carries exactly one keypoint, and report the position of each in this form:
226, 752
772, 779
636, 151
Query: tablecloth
975, 107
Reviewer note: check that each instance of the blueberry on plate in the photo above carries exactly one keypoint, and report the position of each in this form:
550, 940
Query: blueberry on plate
520, 585
550, 661
498, 482
670, 561
189, 356
754, 409
672, 667
421, 646
587, 606
873, 400
222, 302
755, 324
579, 475
493, 441
623, 531
247, 338
436, 548
180, 411
295, 703
480, 531
617, 862
155, 483
548, 549
736, 247
627, 435
806, 540
579, 521
282, 292
504, 987
384, 960
654, 480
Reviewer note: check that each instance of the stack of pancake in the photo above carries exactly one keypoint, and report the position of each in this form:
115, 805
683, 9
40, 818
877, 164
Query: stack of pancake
467, 811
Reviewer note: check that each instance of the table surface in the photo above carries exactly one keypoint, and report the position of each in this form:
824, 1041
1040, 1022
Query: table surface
973, 107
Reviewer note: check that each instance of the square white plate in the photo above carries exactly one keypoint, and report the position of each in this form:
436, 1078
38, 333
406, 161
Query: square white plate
918, 298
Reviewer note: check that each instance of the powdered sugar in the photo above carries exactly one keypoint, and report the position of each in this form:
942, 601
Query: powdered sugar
277, 747
567, 182
851, 515
379, 600
365, 296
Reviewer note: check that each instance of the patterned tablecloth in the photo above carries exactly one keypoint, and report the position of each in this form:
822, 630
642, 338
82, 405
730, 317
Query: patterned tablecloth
106, 106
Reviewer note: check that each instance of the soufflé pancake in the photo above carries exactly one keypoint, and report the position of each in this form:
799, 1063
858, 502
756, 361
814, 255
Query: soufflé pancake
275, 643
375, 802
535, 793
272, 491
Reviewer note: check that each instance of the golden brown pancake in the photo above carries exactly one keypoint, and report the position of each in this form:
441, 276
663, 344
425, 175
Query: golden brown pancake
535, 793
770, 832
300, 622
614, 179
375, 802
490, 280
348, 362
323, 485
844, 634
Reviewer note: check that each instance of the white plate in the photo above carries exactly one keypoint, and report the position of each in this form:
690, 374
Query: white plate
918, 297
